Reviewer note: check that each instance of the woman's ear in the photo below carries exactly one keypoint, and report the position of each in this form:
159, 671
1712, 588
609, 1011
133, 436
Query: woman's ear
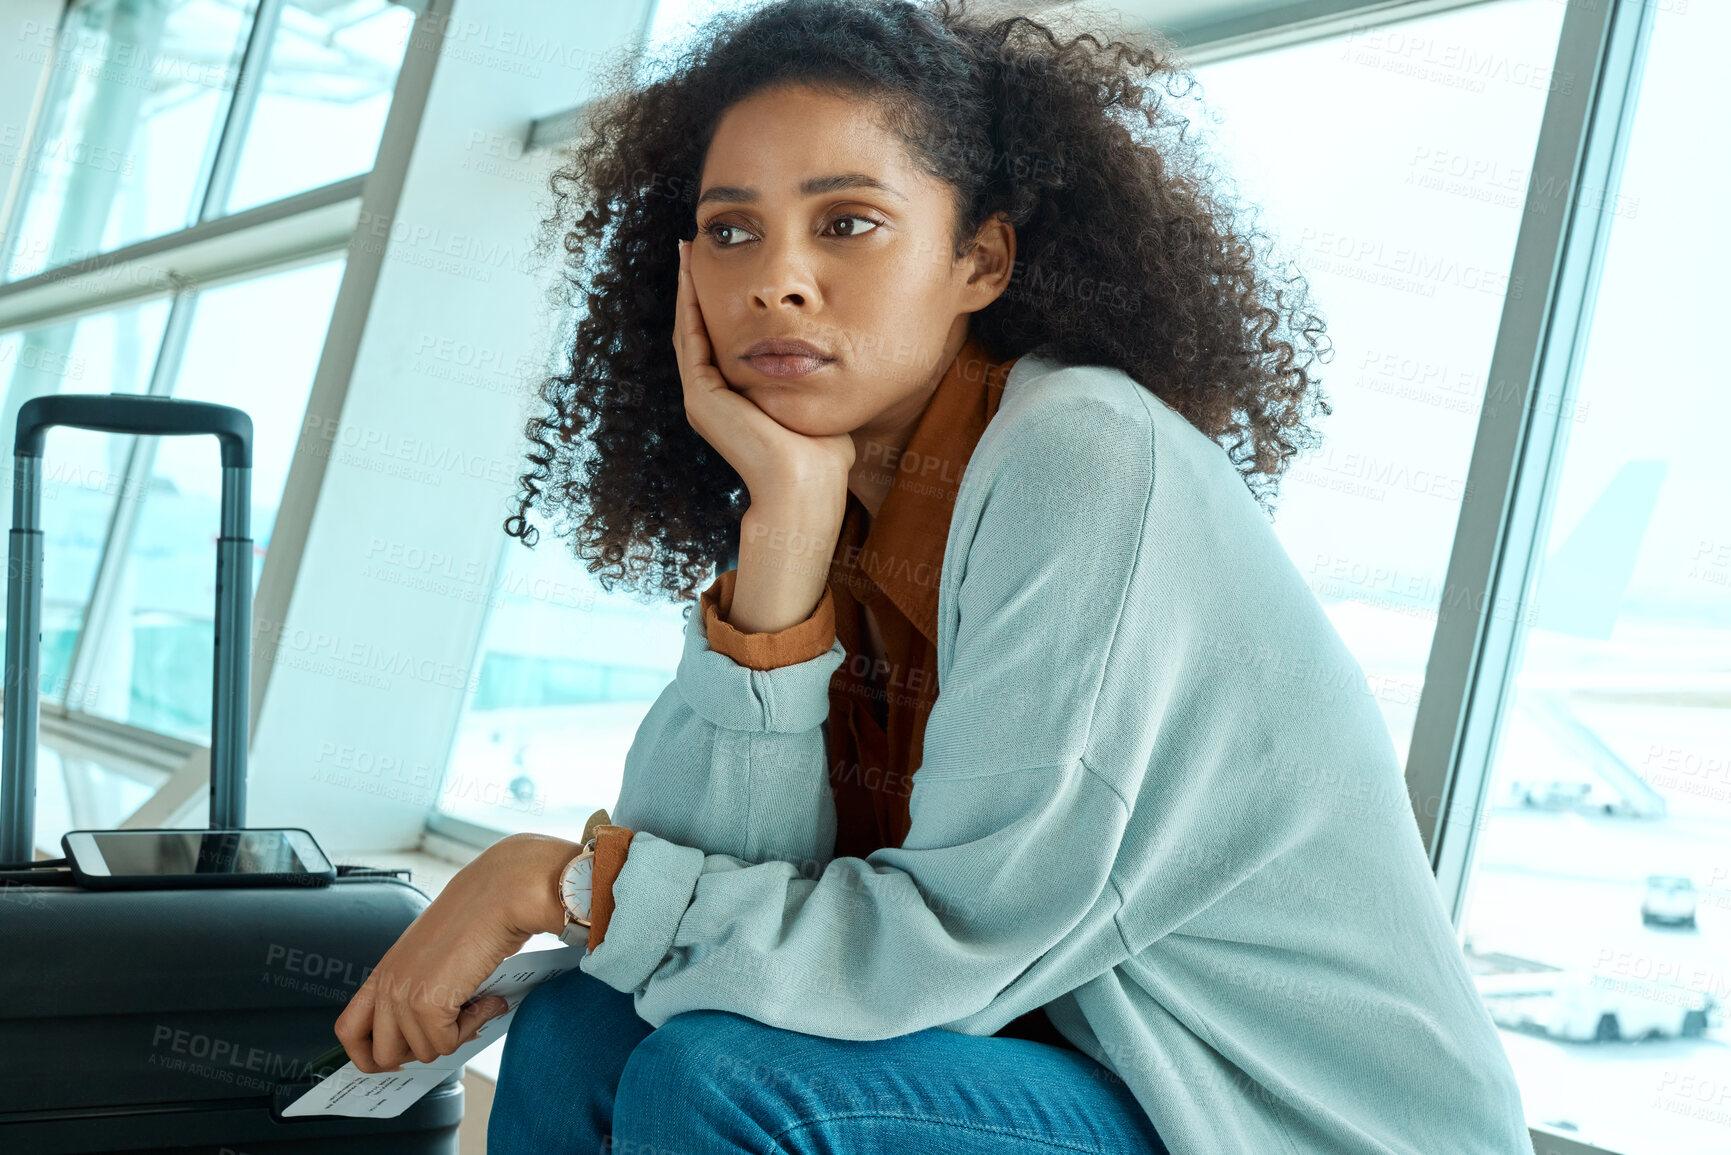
994, 259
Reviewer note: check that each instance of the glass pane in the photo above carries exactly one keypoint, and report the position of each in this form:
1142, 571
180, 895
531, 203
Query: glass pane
332, 71
152, 667
137, 97
674, 21
82, 470
76, 792
567, 672
1403, 205
1599, 913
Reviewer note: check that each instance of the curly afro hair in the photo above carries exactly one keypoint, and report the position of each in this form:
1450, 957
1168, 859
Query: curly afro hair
1127, 254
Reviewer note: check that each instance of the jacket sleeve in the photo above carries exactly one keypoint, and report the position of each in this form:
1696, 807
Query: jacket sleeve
1001, 898
730, 758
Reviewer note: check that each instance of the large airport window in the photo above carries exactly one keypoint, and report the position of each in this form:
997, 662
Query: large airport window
82, 471
567, 672
151, 664
134, 110
1598, 914
1391, 163
141, 134
326, 90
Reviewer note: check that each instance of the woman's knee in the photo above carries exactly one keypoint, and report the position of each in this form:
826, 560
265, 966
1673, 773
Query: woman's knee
696, 1046
570, 1021
564, 1051
704, 1071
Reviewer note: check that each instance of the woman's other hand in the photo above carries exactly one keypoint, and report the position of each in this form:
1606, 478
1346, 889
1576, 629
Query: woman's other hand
797, 482
778, 465
413, 1005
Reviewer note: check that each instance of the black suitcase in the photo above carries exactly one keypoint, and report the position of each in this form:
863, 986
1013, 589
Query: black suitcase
175, 1020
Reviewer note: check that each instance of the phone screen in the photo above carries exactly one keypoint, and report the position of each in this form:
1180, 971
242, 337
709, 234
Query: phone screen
152, 852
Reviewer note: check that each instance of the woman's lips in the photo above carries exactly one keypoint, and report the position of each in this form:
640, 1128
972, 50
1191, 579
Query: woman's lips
784, 366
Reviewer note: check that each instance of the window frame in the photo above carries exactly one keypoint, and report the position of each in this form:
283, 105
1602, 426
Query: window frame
1520, 446
219, 248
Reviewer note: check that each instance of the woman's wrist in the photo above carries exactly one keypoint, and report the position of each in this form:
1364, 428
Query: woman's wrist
533, 865
784, 560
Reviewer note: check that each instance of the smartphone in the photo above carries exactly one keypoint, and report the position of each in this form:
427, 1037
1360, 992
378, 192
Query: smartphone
163, 859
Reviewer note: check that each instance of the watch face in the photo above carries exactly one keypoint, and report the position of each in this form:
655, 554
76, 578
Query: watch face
576, 887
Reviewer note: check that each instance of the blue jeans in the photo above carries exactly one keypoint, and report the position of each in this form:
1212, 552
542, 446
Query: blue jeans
581, 1072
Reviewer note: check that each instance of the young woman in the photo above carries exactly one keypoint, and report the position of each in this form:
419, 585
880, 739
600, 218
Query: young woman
1014, 793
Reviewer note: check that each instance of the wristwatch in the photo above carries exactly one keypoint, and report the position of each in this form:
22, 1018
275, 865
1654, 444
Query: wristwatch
577, 885
576, 894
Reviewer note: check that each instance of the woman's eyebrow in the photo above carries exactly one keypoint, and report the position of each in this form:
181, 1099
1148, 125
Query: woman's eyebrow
813, 186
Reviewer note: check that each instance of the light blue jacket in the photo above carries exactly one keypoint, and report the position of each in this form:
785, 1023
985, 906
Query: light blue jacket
1156, 798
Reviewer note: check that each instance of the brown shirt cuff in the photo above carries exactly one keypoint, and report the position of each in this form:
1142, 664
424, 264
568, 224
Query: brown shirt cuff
612, 844
799, 642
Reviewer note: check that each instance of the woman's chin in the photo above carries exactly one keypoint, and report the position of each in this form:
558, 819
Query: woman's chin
801, 411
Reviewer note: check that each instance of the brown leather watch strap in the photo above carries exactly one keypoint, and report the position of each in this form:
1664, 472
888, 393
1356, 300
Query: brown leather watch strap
612, 843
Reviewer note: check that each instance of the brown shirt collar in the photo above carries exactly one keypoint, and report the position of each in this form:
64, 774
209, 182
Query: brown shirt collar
903, 551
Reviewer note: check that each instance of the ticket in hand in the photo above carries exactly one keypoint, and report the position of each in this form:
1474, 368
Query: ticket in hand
351, 1091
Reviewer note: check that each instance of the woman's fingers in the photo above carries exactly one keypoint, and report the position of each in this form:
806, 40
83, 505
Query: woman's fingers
687, 315
421, 1049
440, 1032
355, 1025
472, 1016
390, 1050
691, 338
706, 391
445, 1036
767, 455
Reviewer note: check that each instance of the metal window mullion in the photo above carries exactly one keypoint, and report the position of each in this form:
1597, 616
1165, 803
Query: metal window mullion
1549, 1142
477, 658
55, 89
304, 227
110, 741
460, 830
1211, 37
249, 81
1523, 430
75, 774
123, 519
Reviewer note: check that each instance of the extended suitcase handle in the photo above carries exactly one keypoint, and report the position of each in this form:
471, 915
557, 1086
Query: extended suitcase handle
230, 683
135, 413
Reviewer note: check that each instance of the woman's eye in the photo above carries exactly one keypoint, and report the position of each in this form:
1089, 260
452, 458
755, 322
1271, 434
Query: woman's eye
715, 229
856, 217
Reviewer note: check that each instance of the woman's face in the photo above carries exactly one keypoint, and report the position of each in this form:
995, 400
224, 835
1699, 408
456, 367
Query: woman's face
793, 242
